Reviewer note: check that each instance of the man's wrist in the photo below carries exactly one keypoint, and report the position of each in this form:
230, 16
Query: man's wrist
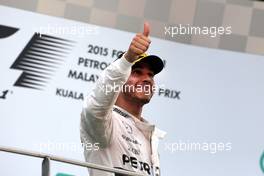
130, 58
123, 64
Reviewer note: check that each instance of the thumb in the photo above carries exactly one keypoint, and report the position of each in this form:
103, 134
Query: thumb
146, 29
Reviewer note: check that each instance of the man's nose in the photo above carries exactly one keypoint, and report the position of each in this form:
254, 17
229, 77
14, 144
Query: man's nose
147, 80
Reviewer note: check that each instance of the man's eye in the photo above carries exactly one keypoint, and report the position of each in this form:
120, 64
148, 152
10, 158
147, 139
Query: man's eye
151, 75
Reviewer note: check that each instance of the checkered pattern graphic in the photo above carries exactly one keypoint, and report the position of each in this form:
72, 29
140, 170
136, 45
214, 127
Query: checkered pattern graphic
244, 16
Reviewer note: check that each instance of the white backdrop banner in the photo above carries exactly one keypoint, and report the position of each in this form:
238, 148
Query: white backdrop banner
210, 102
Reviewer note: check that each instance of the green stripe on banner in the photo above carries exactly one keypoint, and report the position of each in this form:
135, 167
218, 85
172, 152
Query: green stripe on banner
261, 162
63, 174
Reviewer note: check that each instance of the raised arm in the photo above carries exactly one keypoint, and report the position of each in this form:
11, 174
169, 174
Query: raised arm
96, 121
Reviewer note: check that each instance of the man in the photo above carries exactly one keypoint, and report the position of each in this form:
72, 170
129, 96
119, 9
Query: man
113, 118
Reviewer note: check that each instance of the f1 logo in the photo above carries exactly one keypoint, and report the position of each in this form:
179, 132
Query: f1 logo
4, 93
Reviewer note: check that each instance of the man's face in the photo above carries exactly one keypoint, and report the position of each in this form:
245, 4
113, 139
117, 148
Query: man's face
139, 84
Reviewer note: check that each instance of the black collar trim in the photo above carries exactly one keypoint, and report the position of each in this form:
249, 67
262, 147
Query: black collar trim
121, 112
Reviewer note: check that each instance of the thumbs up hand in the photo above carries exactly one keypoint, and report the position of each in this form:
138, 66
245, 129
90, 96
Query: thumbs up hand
139, 44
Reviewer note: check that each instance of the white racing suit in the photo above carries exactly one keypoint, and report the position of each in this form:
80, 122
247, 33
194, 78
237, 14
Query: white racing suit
124, 141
